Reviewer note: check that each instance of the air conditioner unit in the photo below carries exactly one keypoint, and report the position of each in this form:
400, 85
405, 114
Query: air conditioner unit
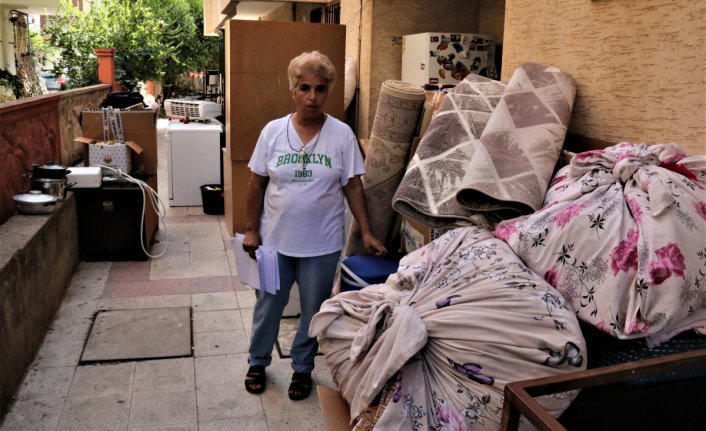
192, 108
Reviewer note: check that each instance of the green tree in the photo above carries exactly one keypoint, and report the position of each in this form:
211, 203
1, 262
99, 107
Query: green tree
193, 51
154, 40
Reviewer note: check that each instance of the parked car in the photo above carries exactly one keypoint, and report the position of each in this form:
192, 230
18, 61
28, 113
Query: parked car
54, 82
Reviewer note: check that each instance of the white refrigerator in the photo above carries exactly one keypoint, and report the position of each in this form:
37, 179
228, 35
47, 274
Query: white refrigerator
194, 159
446, 58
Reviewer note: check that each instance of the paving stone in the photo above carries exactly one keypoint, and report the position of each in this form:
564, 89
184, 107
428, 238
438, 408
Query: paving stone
58, 354
225, 402
38, 414
220, 343
164, 374
283, 414
220, 320
254, 423
214, 301
221, 370
163, 407
53, 382
179, 427
103, 380
138, 334
107, 413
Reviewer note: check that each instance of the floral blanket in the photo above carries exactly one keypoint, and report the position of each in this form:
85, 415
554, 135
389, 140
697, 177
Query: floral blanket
461, 318
622, 236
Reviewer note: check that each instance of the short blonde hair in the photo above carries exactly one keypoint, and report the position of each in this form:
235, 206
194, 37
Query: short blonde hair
314, 63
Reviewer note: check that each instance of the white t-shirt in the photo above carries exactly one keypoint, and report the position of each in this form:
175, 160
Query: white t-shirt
303, 212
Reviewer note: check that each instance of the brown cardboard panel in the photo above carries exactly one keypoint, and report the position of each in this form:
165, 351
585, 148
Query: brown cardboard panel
236, 176
268, 46
257, 56
337, 416
248, 111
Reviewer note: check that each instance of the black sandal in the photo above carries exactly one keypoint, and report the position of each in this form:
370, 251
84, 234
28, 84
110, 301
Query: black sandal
300, 387
256, 380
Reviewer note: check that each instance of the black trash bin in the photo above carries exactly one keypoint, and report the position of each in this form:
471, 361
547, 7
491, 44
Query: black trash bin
212, 199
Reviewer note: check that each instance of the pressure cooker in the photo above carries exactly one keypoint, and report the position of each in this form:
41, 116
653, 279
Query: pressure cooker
50, 179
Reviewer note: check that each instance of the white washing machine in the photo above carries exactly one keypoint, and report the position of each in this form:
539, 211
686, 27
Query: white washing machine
194, 159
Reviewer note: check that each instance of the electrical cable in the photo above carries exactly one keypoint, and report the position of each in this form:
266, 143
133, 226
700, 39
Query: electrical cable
155, 201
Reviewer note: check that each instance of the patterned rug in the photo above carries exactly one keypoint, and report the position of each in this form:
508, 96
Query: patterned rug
428, 189
490, 151
394, 126
514, 158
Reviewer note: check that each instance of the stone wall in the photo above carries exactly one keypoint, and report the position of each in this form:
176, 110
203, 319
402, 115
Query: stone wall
640, 66
38, 255
37, 130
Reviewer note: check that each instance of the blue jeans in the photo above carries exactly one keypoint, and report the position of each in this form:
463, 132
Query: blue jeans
314, 276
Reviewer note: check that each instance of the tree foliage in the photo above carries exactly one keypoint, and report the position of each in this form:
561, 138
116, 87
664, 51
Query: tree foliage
155, 40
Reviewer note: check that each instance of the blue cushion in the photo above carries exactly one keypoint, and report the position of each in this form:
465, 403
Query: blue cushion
371, 269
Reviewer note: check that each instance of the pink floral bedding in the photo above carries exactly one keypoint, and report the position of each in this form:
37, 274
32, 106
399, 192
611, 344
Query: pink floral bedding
622, 235
461, 318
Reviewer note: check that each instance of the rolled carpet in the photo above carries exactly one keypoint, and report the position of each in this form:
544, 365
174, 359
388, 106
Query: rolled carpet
434, 175
514, 158
394, 125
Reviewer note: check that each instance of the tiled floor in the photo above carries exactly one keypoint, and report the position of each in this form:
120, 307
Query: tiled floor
203, 392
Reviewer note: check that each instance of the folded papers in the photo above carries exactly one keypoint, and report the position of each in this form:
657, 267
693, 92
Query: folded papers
261, 274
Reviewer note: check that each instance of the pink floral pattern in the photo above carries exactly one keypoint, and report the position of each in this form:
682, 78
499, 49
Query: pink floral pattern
700, 208
551, 276
635, 210
504, 231
669, 261
624, 256
563, 217
624, 243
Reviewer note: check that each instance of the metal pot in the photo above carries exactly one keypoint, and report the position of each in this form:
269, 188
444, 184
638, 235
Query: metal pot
34, 202
51, 186
49, 179
49, 171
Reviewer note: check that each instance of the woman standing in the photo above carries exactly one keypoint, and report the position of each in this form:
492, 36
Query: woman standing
302, 167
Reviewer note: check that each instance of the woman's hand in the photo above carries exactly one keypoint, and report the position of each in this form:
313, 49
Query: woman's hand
373, 245
251, 242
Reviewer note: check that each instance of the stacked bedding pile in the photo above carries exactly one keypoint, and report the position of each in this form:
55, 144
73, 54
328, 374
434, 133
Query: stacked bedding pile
622, 236
618, 241
461, 318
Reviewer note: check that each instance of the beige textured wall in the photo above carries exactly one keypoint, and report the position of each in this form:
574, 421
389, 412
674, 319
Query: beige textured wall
350, 17
640, 65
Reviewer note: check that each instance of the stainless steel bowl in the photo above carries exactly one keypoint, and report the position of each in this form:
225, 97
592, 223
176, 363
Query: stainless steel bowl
52, 186
34, 202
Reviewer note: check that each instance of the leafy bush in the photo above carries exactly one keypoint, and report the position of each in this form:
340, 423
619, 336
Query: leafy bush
154, 40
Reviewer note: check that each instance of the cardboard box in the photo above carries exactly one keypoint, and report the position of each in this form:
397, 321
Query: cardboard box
236, 177
257, 89
415, 234
139, 127
113, 154
337, 415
